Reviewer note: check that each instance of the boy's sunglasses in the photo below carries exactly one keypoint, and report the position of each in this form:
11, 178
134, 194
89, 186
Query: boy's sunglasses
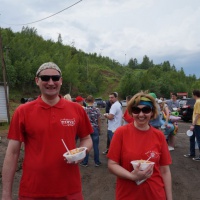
145, 110
46, 78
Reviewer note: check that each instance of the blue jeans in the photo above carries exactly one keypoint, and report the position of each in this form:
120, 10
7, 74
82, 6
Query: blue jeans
95, 141
169, 129
196, 133
110, 135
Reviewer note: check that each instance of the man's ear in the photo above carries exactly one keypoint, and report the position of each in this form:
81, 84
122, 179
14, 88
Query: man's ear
36, 80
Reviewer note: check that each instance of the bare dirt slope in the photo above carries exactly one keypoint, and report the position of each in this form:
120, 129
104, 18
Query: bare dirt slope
99, 184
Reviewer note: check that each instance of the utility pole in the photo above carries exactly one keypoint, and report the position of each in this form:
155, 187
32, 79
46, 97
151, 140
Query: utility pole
125, 60
101, 51
4, 77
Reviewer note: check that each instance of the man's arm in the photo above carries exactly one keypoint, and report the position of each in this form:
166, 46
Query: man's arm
196, 118
110, 116
9, 168
86, 142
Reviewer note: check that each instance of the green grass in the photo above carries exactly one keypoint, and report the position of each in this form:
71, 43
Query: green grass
4, 126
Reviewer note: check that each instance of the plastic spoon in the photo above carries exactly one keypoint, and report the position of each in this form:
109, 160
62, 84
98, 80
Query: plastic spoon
148, 159
66, 147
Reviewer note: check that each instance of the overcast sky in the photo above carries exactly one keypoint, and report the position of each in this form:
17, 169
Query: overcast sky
164, 30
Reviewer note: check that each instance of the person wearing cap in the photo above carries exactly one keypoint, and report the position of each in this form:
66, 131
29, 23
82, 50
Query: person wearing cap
41, 125
135, 141
155, 122
80, 100
166, 124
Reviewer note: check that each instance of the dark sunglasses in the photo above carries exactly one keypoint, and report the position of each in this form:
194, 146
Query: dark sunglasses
145, 110
46, 78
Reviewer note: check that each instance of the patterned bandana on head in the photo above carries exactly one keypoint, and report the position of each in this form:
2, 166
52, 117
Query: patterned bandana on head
49, 65
146, 102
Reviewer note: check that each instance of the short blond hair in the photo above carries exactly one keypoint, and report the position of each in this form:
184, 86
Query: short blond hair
68, 97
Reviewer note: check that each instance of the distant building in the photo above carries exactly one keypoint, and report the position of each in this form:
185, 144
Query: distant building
3, 105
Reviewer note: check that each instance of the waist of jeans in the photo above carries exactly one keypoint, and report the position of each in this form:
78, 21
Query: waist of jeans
112, 131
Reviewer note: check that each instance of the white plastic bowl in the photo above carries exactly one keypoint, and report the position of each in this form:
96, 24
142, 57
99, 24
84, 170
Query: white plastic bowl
189, 133
76, 154
144, 164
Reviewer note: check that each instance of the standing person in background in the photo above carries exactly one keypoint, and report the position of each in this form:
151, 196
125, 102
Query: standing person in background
195, 127
127, 118
41, 124
115, 115
95, 120
107, 109
135, 141
155, 122
80, 101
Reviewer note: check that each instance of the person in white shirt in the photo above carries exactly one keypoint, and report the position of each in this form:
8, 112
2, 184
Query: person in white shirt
115, 115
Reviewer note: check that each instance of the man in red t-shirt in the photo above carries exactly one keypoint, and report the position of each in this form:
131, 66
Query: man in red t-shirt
41, 125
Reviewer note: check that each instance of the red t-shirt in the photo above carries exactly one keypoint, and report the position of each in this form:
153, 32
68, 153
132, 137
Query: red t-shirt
41, 127
128, 144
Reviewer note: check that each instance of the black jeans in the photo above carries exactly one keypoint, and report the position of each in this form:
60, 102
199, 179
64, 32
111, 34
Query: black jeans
196, 133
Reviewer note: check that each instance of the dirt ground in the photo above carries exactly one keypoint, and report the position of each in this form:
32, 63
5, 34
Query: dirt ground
99, 184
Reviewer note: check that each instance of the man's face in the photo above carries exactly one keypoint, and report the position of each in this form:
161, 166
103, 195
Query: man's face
174, 97
112, 98
194, 96
49, 88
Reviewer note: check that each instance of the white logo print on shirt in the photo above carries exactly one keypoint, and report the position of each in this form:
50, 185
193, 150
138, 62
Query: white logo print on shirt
152, 154
67, 122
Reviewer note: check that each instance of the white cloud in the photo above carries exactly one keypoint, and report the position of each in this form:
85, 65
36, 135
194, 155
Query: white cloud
162, 30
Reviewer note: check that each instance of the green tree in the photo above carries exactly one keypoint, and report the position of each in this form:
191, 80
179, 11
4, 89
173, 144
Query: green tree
146, 63
86, 73
70, 77
133, 63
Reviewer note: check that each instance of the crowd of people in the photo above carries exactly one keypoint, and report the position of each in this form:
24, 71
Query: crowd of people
143, 131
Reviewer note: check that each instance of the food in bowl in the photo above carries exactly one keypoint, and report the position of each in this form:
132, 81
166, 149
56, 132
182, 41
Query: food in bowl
77, 150
75, 154
143, 164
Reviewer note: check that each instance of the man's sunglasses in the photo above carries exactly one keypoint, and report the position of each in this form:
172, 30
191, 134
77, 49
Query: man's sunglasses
145, 110
46, 78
